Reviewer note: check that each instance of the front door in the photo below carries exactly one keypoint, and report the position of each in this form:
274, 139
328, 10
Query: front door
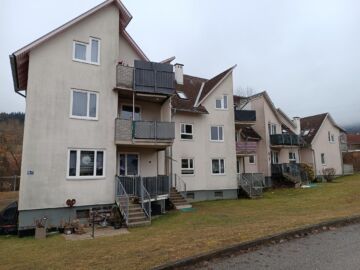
128, 164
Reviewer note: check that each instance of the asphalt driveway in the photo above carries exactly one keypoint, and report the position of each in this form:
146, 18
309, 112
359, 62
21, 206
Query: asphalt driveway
334, 249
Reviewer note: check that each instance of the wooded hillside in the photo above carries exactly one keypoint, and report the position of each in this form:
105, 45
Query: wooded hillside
11, 138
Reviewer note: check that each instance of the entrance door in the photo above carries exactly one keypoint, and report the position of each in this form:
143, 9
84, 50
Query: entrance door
128, 164
238, 166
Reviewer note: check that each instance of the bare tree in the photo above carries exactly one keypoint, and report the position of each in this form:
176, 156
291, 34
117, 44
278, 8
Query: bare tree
245, 91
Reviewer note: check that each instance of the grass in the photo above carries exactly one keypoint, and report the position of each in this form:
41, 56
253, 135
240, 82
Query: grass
177, 235
8, 197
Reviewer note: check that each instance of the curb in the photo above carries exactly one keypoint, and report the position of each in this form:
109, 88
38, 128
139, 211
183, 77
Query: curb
272, 239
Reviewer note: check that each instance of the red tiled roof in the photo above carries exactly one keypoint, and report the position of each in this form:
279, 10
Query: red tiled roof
353, 138
310, 126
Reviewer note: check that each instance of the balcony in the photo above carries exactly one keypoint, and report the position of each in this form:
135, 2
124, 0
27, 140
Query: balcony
245, 117
246, 148
285, 140
146, 77
147, 132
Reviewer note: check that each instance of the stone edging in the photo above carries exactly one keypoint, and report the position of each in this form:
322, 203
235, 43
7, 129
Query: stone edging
272, 239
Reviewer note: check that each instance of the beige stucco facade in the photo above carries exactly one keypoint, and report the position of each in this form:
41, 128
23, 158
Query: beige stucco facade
202, 149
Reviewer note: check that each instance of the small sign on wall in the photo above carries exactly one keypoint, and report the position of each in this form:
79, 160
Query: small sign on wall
30, 172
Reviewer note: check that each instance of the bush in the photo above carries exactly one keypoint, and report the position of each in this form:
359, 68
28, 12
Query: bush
329, 174
309, 170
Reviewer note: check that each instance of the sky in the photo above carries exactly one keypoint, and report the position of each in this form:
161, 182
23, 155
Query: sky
305, 54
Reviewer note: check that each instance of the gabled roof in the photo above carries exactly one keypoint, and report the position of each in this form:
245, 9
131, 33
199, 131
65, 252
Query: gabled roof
310, 125
20, 59
194, 88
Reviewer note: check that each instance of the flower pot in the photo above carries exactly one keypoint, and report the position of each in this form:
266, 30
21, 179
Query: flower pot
68, 231
40, 233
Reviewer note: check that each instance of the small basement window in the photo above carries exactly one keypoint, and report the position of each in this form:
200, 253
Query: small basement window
190, 195
218, 194
181, 95
83, 213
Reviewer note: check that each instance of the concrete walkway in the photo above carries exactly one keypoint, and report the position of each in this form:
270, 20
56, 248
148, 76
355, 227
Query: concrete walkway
331, 250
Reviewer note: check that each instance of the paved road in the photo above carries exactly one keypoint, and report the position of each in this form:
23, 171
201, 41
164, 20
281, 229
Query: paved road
330, 250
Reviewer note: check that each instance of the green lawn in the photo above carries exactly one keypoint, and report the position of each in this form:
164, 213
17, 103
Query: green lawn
176, 235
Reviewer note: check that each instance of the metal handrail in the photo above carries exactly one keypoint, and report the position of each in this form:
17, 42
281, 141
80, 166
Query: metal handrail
123, 200
145, 201
179, 184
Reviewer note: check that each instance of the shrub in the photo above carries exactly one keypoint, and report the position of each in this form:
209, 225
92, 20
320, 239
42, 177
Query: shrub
329, 174
309, 170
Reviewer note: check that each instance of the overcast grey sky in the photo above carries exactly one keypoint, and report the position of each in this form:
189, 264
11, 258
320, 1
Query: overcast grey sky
306, 54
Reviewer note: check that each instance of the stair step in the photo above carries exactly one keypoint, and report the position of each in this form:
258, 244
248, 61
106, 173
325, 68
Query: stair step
136, 214
139, 224
137, 219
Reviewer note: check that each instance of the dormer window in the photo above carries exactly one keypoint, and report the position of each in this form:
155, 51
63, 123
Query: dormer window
181, 95
87, 52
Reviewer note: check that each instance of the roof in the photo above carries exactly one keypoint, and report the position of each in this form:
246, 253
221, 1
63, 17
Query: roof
250, 134
353, 138
20, 59
238, 99
193, 87
310, 126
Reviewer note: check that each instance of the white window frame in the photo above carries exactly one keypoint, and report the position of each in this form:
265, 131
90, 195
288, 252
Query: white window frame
218, 128
272, 128
118, 163
273, 154
252, 163
211, 165
188, 168
87, 117
88, 51
184, 133
222, 103
321, 159
293, 158
331, 137
78, 155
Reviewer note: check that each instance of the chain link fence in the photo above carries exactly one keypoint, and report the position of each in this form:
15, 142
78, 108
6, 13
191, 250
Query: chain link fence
9, 183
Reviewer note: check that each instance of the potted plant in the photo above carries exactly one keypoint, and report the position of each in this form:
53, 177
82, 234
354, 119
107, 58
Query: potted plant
40, 228
68, 227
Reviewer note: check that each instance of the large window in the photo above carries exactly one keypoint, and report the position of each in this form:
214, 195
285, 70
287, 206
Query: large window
218, 166
274, 157
129, 164
216, 133
127, 112
331, 137
86, 163
186, 132
221, 103
187, 166
272, 128
87, 52
84, 104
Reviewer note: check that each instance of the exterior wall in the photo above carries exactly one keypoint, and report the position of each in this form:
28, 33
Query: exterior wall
202, 149
246, 167
284, 154
50, 132
206, 195
149, 111
307, 156
321, 144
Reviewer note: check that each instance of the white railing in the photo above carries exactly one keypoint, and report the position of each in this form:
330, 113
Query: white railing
122, 199
178, 183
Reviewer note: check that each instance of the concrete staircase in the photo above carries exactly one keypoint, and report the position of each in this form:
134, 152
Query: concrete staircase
137, 216
178, 200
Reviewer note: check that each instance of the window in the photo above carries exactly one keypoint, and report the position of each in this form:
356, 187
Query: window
216, 133
190, 195
218, 166
86, 163
323, 159
84, 104
127, 112
128, 164
292, 157
221, 103
186, 131
331, 137
272, 128
274, 157
87, 52
251, 159
218, 194
187, 166
181, 95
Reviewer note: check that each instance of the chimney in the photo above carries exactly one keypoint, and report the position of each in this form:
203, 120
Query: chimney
296, 121
179, 75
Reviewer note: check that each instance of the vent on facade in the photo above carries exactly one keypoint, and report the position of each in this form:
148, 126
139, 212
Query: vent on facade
218, 194
190, 195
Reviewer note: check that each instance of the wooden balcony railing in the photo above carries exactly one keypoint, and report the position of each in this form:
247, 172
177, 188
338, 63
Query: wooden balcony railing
244, 148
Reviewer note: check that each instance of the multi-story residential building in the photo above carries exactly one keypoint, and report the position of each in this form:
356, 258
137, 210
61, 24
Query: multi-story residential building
203, 151
323, 143
268, 141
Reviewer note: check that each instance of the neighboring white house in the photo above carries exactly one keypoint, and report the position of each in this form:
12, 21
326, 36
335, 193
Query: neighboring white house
204, 147
322, 137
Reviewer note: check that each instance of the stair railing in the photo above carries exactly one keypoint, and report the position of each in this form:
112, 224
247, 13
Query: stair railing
145, 201
179, 184
122, 199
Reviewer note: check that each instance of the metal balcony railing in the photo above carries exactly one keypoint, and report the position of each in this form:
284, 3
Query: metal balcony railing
148, 130
285, 139
245, 116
